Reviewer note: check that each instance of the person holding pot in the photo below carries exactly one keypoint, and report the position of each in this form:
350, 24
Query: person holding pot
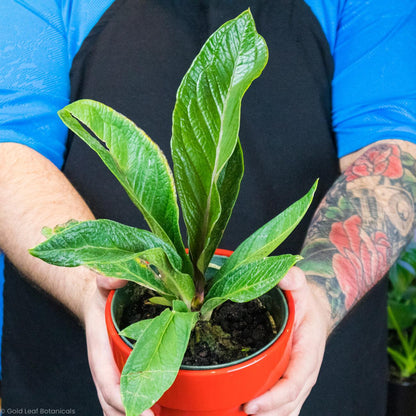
336, 101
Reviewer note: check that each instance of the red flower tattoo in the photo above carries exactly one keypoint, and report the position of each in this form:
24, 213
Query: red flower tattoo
381, 160
362, 259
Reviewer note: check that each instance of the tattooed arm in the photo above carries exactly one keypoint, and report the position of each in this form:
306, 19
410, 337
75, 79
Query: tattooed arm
357, 233
363, 223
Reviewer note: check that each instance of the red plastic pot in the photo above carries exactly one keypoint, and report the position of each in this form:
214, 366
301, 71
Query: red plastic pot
218, 390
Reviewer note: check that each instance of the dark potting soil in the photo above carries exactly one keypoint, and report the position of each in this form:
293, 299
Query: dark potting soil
235, 330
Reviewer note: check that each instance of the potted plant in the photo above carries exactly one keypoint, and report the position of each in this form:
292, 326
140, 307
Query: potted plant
401, 310
189, 285
230, 383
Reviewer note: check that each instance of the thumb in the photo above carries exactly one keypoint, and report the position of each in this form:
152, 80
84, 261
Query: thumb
294, 280
109, 283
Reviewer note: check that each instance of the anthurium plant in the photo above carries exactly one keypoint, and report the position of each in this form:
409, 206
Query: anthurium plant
208, 168
401, 310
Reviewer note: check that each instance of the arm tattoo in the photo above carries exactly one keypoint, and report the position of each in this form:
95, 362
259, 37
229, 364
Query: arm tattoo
361, 226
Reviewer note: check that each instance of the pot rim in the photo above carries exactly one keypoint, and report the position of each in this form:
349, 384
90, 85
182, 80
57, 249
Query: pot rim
228, 364
227, 367
286, 326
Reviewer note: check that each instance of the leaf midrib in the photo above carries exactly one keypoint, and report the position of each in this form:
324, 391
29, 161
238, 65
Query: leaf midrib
163, 332
87, 247
218, 148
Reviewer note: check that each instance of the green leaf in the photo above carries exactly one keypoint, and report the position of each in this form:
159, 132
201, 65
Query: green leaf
405, 355
405, 314
206, 121
401, 276
157, 300
98, 241
409, 256
209, 305
267, 238
137, 329
248, 281
114, 250
49, 232
228, 188
399, 359
155, 360
135, 160
178, 283
179, 306
134, 270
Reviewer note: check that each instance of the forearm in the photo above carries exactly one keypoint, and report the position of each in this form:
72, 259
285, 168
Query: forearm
34, 194
362, 224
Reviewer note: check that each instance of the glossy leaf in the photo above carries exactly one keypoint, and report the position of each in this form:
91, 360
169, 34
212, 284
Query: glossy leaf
155, 360
228, 186
208, 307
134, 270
135, 160
180, 284
267, 238
116, 250
49, 232
79, 243
206, 122
248, 281
137, 329
179, 306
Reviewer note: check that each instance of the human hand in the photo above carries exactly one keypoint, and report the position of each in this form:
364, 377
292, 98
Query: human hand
104, 371
311, 328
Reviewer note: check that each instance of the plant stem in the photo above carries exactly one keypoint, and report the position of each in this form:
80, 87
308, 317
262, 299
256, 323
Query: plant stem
199, 281
197, 301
